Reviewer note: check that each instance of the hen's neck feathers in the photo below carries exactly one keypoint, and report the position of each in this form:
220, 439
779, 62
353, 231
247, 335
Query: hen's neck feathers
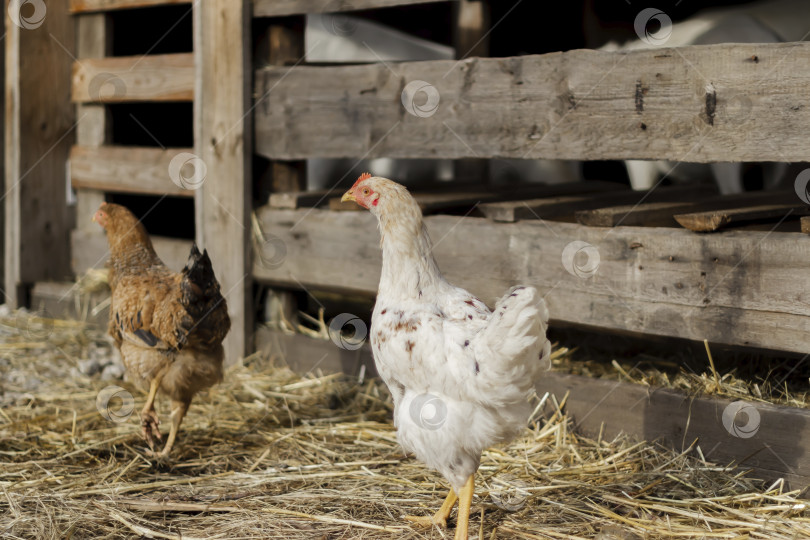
409, 270
131, 250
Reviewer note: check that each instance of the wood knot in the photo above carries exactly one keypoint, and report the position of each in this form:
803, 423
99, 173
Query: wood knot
710, 107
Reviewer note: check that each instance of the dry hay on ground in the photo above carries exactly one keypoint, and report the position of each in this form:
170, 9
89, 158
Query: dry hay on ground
270, 454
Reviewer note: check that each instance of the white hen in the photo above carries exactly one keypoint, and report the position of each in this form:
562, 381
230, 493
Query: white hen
461, 375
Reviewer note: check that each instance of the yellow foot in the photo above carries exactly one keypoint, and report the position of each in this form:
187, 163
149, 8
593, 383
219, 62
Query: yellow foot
427, 521
464, 503
439, 518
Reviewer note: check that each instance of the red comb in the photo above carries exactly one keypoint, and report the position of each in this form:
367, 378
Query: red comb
364, 176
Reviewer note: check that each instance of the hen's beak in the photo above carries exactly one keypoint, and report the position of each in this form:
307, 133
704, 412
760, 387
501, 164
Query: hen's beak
348, 196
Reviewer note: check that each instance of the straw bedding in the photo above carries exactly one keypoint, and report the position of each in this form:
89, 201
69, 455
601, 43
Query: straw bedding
271, 454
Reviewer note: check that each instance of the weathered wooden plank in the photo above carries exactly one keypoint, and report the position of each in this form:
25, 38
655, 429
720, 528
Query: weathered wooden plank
662, 214
93, 41
717, 219
579, 104
472, 20
160, 77
66, 301
470, 31
433, 201
305, 354
91, 250
87, 202
511, 211
776, 450
39, 131
126, 169
85, 6
222, 140
278, 8
286, 46
773, 445
806, 225
657, 214
288, 176
299, 199
93, 126
5, 115
460, 198
426, 201
731, 288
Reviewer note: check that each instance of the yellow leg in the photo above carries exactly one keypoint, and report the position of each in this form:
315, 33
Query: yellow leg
440, 517
149, 418
179, 409
464, 505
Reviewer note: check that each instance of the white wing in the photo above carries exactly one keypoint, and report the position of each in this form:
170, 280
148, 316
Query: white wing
461, 350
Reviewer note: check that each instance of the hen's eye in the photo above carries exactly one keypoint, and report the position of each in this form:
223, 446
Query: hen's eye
365, 191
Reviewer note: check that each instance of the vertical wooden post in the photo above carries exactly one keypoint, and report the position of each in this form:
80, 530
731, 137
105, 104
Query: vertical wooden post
286, 48
285, 39
222, 139
471, 21
93, 127
4, 115
93, 41
39, 131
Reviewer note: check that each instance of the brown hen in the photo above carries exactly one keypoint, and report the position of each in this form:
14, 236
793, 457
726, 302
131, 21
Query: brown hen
169, 326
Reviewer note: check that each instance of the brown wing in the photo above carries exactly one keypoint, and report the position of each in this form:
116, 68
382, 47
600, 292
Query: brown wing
164, 310
147, 311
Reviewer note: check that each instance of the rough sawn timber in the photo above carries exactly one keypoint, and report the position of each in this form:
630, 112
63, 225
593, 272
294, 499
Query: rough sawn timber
163, 77
431, 202
552, 207
83, 6
40, 127
93, 130
777, 447
276, 8
663, 214
125, 169
735, 288
581, 104
222, 128
717, 219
